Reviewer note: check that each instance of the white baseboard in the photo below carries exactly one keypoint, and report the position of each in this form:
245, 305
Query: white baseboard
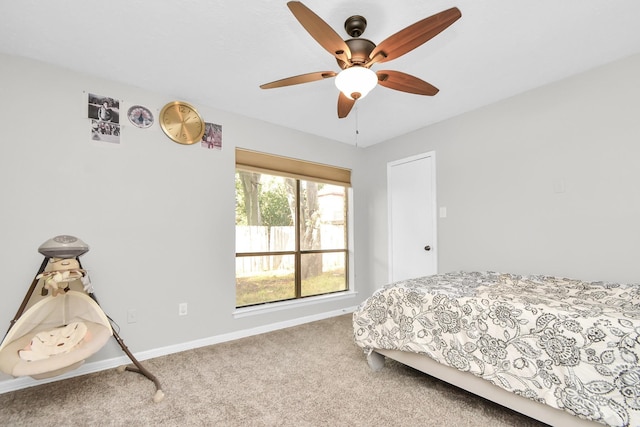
101, 365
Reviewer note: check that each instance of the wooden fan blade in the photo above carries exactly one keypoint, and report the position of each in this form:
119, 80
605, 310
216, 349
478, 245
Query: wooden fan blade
414, 35
405, 83
345, 104
302, 78
320, 31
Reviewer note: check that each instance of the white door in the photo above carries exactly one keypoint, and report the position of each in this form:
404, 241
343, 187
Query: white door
411, 192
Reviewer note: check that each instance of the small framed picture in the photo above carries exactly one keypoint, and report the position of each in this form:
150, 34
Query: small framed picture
212, 136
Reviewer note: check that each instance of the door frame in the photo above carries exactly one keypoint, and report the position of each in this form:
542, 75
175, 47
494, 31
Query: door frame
434, 207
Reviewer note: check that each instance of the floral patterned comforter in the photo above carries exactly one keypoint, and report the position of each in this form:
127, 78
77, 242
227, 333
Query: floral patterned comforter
570, 344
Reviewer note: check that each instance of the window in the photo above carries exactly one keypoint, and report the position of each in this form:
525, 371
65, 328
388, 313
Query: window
291, 229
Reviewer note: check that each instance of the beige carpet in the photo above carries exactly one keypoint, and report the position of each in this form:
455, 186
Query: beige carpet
308, 375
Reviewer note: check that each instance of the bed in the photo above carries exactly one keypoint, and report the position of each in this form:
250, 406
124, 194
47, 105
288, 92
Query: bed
563, 351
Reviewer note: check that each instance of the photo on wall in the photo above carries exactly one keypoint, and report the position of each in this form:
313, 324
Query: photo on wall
104, 115
212, 136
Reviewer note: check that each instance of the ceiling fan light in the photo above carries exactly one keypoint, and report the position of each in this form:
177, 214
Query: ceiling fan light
356, 82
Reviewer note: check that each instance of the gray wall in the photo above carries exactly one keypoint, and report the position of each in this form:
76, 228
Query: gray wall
501, 170
159, 217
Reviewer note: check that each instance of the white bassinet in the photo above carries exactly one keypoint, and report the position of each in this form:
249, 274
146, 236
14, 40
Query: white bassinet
55, 348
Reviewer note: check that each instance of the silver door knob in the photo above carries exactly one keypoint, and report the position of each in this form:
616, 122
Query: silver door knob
427, 248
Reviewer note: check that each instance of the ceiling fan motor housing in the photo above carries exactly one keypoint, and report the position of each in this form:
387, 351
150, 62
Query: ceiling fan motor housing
360, 50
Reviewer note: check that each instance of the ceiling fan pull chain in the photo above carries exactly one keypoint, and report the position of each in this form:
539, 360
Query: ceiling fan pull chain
357, 127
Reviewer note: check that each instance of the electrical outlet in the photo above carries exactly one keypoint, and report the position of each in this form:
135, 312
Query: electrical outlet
132, 315
182, 309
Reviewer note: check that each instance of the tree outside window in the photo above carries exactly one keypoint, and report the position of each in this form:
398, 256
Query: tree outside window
290, 238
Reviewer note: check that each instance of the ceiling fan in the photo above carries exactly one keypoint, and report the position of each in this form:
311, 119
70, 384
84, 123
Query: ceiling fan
356, 55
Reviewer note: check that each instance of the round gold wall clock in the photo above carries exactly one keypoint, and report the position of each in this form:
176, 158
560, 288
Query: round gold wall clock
181, 122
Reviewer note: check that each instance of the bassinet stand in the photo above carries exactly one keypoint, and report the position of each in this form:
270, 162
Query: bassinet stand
137, 368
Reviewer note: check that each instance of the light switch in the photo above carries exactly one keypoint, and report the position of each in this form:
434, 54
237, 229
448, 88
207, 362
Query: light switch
443, 212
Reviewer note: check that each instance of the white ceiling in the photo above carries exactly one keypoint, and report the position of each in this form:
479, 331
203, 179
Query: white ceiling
217, 53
